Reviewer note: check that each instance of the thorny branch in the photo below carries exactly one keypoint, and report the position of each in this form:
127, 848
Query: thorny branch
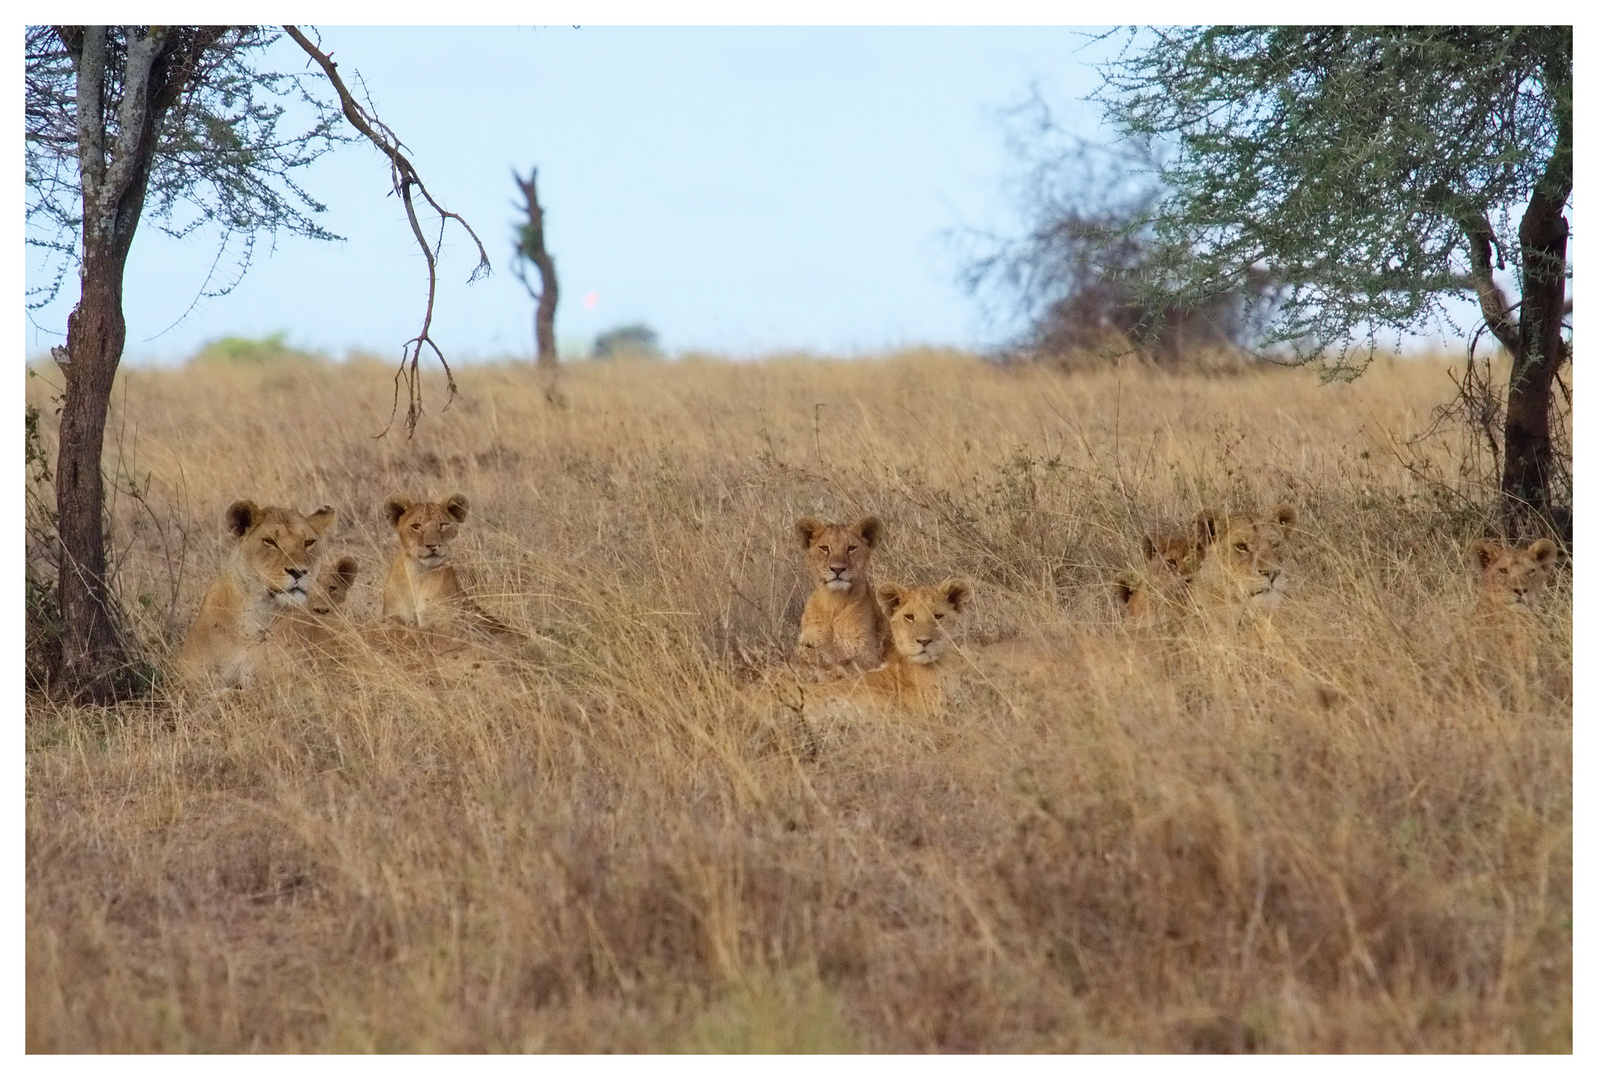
405, 178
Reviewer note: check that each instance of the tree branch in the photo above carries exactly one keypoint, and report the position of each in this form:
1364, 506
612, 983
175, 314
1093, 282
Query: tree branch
1494, 305
405, 178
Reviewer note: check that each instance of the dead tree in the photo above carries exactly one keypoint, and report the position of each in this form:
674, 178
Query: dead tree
530, 249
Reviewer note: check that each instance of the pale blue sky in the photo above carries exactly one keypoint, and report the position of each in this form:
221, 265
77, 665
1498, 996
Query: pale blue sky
743, 191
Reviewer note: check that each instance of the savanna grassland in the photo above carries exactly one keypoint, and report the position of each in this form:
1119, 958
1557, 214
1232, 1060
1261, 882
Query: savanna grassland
1345, 828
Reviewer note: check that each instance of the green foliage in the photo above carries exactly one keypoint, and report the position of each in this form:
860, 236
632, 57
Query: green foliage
633, 340
248, 352
222, 158
1350, 164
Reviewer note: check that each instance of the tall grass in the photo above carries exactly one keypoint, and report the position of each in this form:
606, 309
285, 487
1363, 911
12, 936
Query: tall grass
1348, 828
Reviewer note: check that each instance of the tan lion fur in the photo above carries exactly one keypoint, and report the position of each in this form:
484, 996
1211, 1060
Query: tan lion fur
270, 571
1240, 567
843, 628
423, 589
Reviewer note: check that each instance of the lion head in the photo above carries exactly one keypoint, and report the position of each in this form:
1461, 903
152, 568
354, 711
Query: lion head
1170, 561
275, 548
426, 528
332, 587
1240, 555
839, 555
920, 617
1511, 577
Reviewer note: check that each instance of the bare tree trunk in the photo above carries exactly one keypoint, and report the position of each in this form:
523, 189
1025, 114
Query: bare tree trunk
93, 652
530, 246
1529, 465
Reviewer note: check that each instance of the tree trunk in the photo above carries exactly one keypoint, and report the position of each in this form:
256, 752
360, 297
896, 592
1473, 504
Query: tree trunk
1530, 468
93, 652
114, 175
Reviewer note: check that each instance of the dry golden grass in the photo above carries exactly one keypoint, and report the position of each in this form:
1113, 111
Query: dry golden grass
1348, 828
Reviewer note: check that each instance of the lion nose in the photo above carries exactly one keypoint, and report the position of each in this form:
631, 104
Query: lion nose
295, 575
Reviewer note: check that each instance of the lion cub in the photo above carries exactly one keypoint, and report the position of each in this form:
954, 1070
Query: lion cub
271, 570
422, 588
919, 620
315, 624
1510, 578
843, 627
1170, 561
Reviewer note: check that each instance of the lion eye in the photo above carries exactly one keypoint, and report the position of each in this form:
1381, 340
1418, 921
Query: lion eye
269, 541
1241, 545
416, 526
909, 617
938, 615
853, 546
309, 544
825, 550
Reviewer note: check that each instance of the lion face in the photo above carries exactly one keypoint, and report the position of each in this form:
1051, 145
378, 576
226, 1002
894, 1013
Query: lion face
276, 548
1240, 558
332, 587
1173, 557
1509, 576
920, 617
426, 528
838, 555
1170, 562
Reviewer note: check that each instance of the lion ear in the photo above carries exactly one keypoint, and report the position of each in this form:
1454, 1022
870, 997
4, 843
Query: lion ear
1481, 553
871, 530
1543, 551
1150, 548
1126, 585
1284, 514
321, 518
456, 506
807, 529
890, 594
241, 517
957, 592
394, 508
346, 569
1206, 526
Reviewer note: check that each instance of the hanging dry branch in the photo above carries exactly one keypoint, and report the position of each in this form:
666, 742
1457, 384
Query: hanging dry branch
405, 178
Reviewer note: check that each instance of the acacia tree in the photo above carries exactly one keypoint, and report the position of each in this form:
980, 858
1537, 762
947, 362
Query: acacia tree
1072, 275
177, 117
1371, 173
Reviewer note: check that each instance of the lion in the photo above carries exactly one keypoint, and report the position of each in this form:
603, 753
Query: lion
423, 589
271, 570
843, 628
1170, 561
919, 620
1240, 565
1510, 578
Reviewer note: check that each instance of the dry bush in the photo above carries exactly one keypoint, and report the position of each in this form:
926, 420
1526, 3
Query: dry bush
1348, 828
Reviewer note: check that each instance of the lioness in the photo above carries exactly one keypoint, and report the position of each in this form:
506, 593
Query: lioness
1510, 578
1170, 561
271, 569
422, 588
1240, 565
843, 627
